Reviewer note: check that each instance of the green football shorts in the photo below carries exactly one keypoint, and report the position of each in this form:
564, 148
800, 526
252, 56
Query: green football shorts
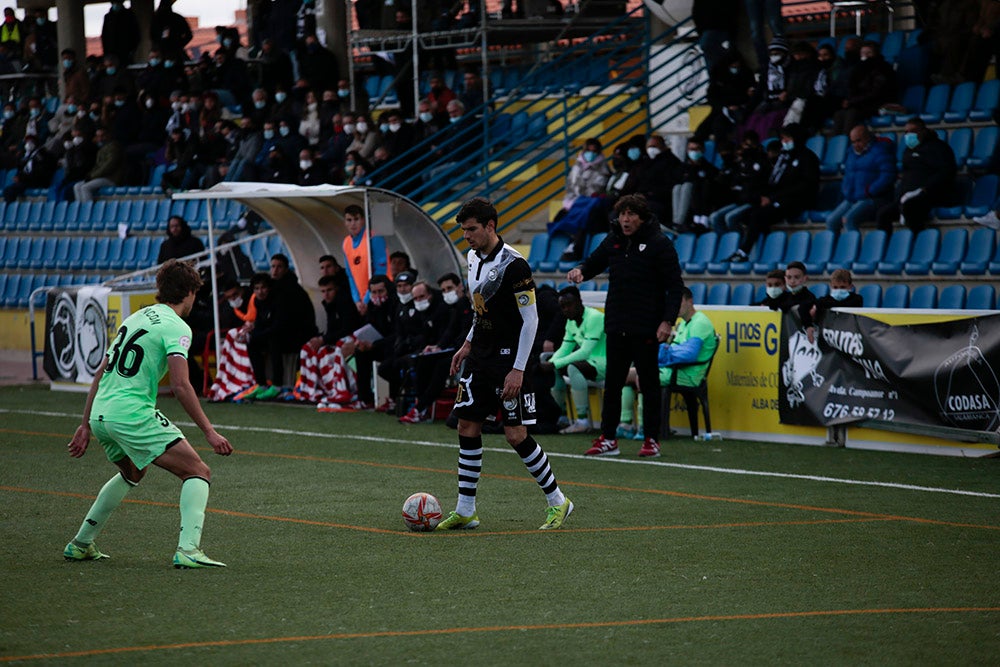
141, 441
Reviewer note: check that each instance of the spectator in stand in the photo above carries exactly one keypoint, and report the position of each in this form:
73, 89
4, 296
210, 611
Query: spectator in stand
730, 83
656, 178
309, 124
11, 31
716, 23
75, 77
153, 79
434, 364
770, 112
774, 289
872, 84
289, 139
269, 141
363, 257
428, 123
842, 295
35, 168
312, 170
34, 121
746, 183
796, 294
927, 179
440, 94
180, 242
869, 177
398, 137
472, 93
279, 168
791, 188
366, 137
342, 97
80, 156
274, 66
41, 51
60, 124
985, 42
182, 162
420, 326
580, 359
827, 94
380, 313
695, 196
357, 169
803, 72
112, 78
108, 169
317, 64
120, 33
169, 31
588, 177
399, 261
758, 13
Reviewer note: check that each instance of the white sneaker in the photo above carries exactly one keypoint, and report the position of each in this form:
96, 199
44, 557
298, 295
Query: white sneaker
579, 426
989, 220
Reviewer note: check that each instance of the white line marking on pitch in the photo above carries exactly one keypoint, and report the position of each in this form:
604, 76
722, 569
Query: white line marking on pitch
508, 450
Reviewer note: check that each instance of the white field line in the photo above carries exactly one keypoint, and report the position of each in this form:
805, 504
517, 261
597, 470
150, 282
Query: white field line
609, 460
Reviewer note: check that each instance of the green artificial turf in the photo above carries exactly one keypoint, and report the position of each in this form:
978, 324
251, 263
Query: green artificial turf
689, 559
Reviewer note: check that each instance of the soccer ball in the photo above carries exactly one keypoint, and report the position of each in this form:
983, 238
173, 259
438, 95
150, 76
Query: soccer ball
421, 512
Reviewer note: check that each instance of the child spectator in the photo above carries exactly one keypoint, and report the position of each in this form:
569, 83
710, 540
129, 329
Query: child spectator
774, 287
842, 295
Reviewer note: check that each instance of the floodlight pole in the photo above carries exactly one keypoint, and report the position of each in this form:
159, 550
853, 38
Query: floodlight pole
215, 282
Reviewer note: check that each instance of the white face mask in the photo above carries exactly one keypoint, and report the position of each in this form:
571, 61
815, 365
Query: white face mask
362, 128
422, 305
776, 59
236, 303
149, 103
652, 152
450, 298
77, 140
775, 292
395, 127
405, 298
305, 164
349, 128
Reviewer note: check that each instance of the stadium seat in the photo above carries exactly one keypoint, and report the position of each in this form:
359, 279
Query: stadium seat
952, 297
816, 143
820, 252
960, 140
45, 223
829, 196
718, 295
684, 245
913, 65
698, 291
11, 290
797, 248
60, 254
84, 257
892, 44
981, 297
557, 245
704, 252
3, 249
834, 155
984, 193
872, 295
912, 101
145, 253
924, 296
981, 154
741, 295
845, 251
987, 99
953, 248
72, 216
925, 249
59, 216
538, 126
820, 290
936, 103
594, 241
957, 200
977, 257
105, 254
897, 253
539, 248
21, 222
727, 245
772, 251
586, 286
896, 296
961, 102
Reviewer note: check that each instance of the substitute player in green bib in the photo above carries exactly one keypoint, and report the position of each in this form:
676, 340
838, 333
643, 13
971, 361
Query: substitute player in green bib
121, 413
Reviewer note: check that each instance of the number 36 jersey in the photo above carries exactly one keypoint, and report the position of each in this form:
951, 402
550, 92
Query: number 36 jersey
137, 361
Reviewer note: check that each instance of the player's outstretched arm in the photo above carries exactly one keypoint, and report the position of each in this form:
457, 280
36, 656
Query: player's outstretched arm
181, 386
81, 439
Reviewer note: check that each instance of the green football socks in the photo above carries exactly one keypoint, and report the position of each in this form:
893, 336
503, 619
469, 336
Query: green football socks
194, 499
110, 497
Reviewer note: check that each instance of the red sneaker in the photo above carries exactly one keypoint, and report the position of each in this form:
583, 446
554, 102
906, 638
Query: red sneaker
414, 416
650, 448
388, 405
603, 447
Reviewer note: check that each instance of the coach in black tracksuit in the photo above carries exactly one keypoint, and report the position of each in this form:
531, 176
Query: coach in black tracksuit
644, 296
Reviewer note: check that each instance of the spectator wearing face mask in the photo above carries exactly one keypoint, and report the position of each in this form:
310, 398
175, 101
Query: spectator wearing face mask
872, 84
774, 288
842, 295
75, 78
169, 31
79, 160
869, 176
120, 33
108, 169
34, 170
366, 137
656, 177
312, 170
796, 293
41, 50
772, 94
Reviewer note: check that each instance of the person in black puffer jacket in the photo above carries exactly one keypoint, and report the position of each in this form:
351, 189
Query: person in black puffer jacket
644, 297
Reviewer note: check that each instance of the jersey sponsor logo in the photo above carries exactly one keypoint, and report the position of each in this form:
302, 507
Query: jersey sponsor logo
524, 283
185, 342
505, 351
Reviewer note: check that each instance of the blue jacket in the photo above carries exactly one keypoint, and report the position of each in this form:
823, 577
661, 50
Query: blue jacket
871, 175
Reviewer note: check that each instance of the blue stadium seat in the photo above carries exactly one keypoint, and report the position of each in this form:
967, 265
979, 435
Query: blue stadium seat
73, 253
9, 213
84, 256
586, 286
557, 245
60, 254
820, 252
977, 257
145, 248
829, 196
797, 248
960, 140
957, 200
820, 290
952, 297
72, 216
872, 250
45, 223
741, 295
897, 253
892, 44
912, 101
984, 193
913, 65
981, 297
816, 143
96, 217
259, 256
3, 249
594, 241
21, 222
12, 251
772, 251
924, 296
961, 102
981, 154
718, 295
12, 289
953, 248
104, 254
896, 296
834, 155
727, 245
372, 87
987, 99
81, 216
925, 249
936, 103
59, 216
846, 250
698, 291
684, 245
704, 252
539, 248
538, 126
872, 295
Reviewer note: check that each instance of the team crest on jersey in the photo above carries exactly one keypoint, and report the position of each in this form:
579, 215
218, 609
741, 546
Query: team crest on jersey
642, 246
479, 303
492, 275
510, 404
185, 342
